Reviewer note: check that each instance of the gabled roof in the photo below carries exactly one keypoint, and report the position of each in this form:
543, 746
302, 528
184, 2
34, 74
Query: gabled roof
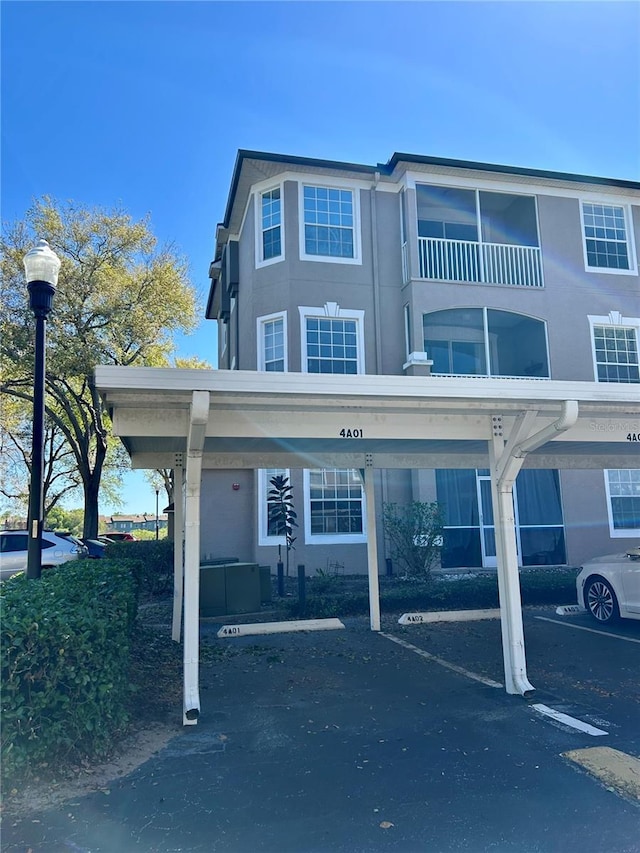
253, 166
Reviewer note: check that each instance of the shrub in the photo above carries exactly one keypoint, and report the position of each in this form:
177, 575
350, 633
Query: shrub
350, 596
414, 532
64, 663
151, 563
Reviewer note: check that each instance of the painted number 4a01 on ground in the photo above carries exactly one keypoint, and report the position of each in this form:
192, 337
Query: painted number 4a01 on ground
351, 433
633, 436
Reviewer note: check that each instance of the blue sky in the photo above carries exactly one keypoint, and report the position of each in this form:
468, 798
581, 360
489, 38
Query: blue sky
145, 104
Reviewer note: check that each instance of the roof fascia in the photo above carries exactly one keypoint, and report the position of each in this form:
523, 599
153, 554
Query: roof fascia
398, 158
245, 154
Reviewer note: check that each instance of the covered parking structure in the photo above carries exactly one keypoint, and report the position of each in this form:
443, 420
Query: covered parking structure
188, 420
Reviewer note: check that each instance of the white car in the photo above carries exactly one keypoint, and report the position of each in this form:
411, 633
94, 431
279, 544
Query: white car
56, 549
609, 587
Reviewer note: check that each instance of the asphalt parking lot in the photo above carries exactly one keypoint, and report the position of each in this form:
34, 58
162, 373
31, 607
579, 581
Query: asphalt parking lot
354, 741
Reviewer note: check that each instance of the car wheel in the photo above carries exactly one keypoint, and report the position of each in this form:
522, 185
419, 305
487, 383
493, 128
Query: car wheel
601, 601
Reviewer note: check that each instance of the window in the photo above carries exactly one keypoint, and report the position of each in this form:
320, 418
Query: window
623, 494
407, 330
474, 235
268, 532
605, 237
16, 542
332, 340
469, 533
272, 343
332, 346
328, 220
616, 354
447, 213
334, 502
270, 225
485, 342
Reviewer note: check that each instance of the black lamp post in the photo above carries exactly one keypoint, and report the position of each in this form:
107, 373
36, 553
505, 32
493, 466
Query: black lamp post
157, 525
41, 267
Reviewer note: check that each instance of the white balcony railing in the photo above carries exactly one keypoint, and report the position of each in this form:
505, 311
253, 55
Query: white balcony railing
491, 263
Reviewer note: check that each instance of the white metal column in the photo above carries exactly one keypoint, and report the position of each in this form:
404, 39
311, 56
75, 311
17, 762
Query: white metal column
372, 545
506, 460
178, 547
195, 444
513, 652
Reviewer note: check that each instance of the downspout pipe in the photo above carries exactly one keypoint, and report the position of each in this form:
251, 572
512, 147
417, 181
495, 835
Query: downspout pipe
199, 417
513, 463
567, 419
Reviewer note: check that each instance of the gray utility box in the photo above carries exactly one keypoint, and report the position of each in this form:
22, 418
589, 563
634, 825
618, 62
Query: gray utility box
229, 588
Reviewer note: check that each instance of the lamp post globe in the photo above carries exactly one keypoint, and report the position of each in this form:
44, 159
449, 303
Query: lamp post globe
41, 266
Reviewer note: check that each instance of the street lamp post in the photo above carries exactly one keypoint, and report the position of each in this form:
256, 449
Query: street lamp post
41, 266
157, 524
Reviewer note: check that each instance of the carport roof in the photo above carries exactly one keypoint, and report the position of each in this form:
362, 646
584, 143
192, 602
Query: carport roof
264, 420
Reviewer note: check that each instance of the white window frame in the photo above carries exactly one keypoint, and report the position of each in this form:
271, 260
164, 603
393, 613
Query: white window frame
330, 538
616, 320
263, 514
614, 533
407, 330
628, 226
258, 193
260, 327
332, 311
335, 184
222, 326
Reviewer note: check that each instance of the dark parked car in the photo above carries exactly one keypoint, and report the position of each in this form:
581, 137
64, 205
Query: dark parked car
95, 548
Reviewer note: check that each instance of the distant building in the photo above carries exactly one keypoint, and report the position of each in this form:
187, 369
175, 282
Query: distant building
131, 523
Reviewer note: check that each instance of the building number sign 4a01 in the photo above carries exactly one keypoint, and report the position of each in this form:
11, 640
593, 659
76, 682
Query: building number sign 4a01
351, 433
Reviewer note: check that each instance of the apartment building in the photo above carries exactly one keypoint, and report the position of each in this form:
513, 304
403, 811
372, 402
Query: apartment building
426, 267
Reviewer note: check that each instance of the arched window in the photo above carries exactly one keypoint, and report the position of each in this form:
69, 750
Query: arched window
486, 342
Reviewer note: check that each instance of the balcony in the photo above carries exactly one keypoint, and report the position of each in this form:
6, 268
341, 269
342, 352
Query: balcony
489, 263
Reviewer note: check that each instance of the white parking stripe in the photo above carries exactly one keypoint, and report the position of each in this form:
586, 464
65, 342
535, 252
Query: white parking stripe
442, 662
590, 630
569, 721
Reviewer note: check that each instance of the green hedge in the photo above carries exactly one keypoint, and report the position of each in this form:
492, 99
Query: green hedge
151, 562
348, 595
64, 663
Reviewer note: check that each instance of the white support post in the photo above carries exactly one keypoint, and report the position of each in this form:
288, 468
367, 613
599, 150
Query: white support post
372, 545
513, 652
195, 445
178, 549
506, 461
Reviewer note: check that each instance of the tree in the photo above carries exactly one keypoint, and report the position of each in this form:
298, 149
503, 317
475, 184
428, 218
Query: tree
281, 512
414, 532
120, 300
70, 520
60, 476
162, 478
